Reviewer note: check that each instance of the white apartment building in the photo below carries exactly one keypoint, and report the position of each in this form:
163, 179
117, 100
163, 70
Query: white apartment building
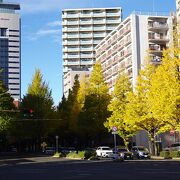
128, 46
82, 30
10, 48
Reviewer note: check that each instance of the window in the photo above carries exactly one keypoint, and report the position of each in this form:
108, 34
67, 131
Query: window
3, 32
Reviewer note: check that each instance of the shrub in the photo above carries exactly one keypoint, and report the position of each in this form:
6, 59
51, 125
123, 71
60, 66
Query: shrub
165, 154
89, 154
175, 154
59, 155
80, 155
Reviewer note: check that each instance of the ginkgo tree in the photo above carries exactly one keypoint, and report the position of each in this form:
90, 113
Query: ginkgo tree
117, 107
164, 96
138, 112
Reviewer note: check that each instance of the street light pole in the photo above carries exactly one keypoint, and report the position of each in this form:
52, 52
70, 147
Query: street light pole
57, 137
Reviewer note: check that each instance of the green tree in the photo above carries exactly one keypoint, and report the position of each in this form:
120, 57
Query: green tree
39, 100
75, 106
69, 110
7, 108
118, 108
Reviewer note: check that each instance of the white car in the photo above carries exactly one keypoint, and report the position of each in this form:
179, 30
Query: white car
104, 151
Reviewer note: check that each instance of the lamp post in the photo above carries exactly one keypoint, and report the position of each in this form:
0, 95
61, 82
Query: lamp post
57, 137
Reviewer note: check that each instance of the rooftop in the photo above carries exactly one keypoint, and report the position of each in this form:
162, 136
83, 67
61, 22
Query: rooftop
8, 5
91, 9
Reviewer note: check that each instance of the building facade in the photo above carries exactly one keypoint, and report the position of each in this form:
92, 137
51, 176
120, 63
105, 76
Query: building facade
10, 48
178, 10
131, 43
82, 30
139, 38
69, 78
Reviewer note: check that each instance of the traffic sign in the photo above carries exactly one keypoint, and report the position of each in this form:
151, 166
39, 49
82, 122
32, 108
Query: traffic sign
114, 128
114, 132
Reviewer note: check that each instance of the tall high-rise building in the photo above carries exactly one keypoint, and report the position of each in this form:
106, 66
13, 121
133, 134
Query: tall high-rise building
10, 47
82, 30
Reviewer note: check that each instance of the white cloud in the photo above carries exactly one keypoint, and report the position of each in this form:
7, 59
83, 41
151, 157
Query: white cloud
54, 23
44, 32
53, 33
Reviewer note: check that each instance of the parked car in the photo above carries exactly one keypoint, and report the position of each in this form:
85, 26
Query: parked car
104, 151
173, 147
50, 150
67, 150
140, 152
125, 153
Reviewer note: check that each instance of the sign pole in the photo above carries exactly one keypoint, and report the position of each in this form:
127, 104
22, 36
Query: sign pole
115, 143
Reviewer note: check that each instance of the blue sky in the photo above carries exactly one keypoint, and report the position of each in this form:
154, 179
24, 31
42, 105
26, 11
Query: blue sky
41, 34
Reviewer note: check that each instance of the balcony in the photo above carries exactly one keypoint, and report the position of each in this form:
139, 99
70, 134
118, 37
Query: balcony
75, 56
99, 21
112, 21
99, 28
72, 23
155, 38
85, 15
70, 16
86, 29
86, 42
90, 62
113, 14
110, 28
87, 55
103, 14
96, 41
85, 35
72, 29
73, 49
72, 43
73, 36
99, 35
86, 49
157, 25
85, 22
71, 63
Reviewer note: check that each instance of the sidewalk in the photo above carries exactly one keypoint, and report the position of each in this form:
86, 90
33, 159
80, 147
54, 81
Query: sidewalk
162, 158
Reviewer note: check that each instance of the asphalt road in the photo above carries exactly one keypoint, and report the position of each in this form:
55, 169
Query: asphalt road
45, 168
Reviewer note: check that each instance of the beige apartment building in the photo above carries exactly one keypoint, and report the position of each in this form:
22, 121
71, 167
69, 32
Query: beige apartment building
128, 46
82, 30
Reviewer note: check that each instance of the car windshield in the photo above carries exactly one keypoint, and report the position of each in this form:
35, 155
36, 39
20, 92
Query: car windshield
142, 149
106, 148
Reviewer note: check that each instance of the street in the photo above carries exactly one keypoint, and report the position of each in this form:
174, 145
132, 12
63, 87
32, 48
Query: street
47, 168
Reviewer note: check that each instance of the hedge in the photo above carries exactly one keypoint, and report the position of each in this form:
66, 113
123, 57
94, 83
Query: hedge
170, 154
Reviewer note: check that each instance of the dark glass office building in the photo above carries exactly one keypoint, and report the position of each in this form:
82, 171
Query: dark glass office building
10, 48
